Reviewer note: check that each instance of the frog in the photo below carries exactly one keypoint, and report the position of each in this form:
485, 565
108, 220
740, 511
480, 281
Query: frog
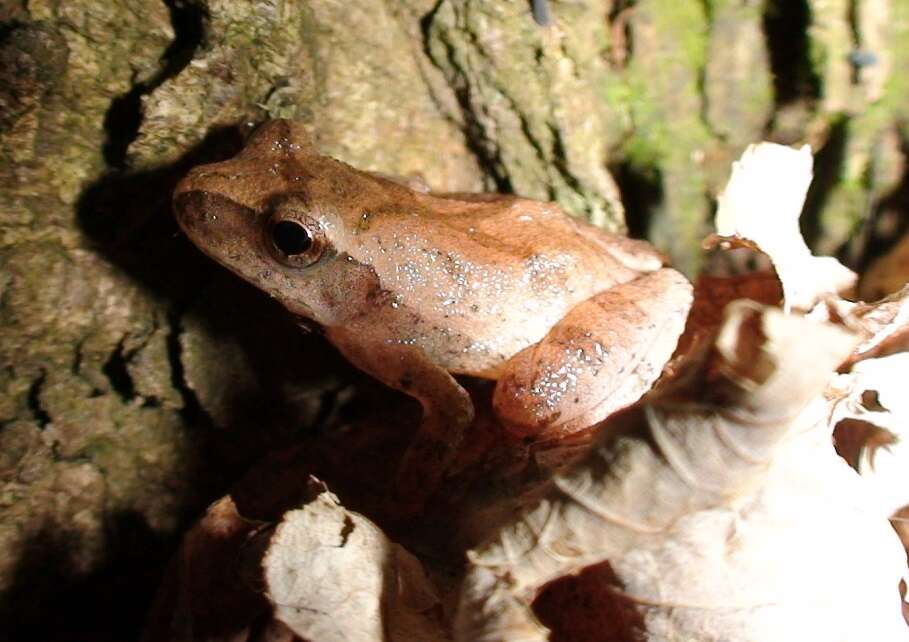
417, 289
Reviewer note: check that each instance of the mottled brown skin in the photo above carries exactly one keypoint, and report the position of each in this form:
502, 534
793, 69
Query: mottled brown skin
412, 287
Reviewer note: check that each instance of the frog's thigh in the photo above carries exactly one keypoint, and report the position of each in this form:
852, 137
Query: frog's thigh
447, 408
603, 356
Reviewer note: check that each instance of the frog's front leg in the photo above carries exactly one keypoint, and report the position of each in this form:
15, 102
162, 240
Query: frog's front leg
447, 408
601, 357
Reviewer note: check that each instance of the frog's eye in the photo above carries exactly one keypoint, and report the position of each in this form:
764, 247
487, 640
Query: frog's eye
295, 243
291, 238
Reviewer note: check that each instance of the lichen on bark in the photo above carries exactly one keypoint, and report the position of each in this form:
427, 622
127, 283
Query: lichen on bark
529, 97
91, 427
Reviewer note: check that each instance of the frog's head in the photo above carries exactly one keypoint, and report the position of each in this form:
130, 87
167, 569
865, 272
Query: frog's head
277, 214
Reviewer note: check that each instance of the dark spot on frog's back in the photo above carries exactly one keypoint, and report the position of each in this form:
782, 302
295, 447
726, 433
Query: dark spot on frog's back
343, 181
364, 222
355, 284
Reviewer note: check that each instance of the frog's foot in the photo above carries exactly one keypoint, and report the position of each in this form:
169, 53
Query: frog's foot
447, 411
603, 356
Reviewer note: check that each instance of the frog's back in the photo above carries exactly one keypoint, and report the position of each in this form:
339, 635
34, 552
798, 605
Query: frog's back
486, 277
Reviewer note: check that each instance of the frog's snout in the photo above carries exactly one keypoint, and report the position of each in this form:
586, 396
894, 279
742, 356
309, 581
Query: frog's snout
190, 209
203, 201
188, 200
208, 217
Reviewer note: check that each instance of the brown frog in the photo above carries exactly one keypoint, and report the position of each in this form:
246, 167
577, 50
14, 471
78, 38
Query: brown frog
413, 287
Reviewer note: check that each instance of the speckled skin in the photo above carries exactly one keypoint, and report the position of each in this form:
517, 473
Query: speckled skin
410, 286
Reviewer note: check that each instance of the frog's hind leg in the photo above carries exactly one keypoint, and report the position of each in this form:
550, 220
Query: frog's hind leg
447, 409
603, 356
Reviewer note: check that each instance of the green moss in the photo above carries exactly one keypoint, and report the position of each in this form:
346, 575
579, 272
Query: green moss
688, 21
867, 172
846, 209
661, 90
896, 90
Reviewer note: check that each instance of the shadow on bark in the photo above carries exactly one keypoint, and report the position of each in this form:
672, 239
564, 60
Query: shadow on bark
280, 401
53, 602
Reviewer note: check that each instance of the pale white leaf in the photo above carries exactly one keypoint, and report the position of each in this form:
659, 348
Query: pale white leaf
875, 392
761, 204
333, 576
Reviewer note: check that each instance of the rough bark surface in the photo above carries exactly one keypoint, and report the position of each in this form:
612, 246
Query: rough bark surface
137, 379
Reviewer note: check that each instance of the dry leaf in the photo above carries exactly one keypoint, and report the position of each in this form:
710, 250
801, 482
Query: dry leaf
332, 576
761, 206
882, 325
721, 515
204, 596
711, 296
885, 323
322, 574
874, 394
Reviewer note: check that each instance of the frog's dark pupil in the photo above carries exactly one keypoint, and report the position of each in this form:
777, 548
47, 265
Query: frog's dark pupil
290, 237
